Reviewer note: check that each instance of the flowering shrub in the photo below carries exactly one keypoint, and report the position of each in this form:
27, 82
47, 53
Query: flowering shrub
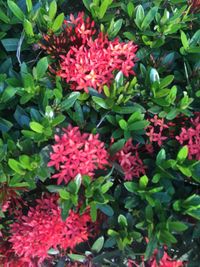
99, 133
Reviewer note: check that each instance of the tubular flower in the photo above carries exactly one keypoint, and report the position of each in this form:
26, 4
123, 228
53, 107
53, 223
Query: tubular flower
93, 65
75, 153
156, 129
76, 32
191, 137
43, 228
166, 261
84, 61
194, 5
129, 159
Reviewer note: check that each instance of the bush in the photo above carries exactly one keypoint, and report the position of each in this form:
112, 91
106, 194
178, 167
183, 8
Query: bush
100, 133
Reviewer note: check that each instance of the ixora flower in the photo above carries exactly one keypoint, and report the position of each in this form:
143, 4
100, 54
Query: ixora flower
93, 65
166, 261
191, 137
43, 228
155, 130
75, 153
194, 5
130, 162
84, 61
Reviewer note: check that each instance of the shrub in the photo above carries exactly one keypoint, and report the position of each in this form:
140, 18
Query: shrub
100, 133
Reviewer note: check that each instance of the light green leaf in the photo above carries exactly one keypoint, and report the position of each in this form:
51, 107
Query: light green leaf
36, 127
58, 22
28, 28
98, 244
16, 10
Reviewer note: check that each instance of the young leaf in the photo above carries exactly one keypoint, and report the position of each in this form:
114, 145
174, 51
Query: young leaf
41, 67
16, 10
184, 40
52, 10
103, 8
182, 154
58, 22
149, 18
36, 127
98, 244
29, 5
28, 28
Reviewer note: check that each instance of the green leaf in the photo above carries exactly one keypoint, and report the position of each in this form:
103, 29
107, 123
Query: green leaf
98, 244
8, 93
130, 9
177, 226
52, 10
166, 237
139, 16
93, 211
15, 166
161, 157
29, 5
69, 102
106, 209
4, 17
10, 44
131, 186
184, 40
143, 182
100, 102
151, 246
36, 127
41, 67
122, 221
117, 146
103, 8
16, 10
123, 124
28, 28
139, 125
87, 4
5, 125
149, 18
193, 50
76, 257
185, 170
182, 154
116, 28
166, 81
58, 22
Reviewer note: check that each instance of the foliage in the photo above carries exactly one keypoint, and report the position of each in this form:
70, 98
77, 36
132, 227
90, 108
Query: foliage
136, 154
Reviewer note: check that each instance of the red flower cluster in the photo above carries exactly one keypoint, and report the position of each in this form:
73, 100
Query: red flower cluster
42, 228
194, 5
155, 130
76, 32
191, 137
75, 153
92, 65
166, 261
86, 62
130, 161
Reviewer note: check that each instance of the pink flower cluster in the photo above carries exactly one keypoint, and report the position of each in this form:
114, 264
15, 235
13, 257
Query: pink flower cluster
42, 229
93, 65
191, 137
75, 153
166, 261
87, 62
155, 130
129, 159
